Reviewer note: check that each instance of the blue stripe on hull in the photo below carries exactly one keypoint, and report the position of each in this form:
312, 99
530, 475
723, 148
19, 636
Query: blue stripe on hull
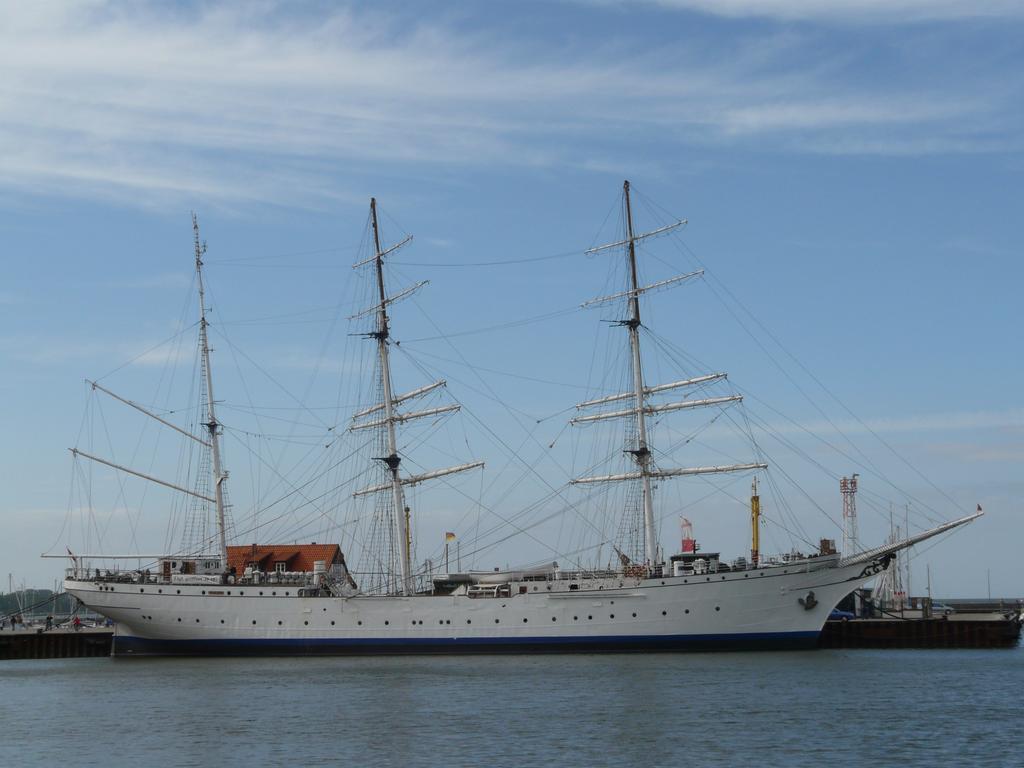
138, 646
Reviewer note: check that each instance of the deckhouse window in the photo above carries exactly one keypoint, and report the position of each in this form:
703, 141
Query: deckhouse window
280, 566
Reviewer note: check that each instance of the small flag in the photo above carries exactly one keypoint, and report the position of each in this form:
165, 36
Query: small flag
449, 536
979, 507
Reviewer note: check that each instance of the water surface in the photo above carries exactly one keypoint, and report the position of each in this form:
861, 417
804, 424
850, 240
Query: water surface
877, 708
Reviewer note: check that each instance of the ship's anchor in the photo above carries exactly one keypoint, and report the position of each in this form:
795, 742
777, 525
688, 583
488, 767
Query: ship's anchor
809, 601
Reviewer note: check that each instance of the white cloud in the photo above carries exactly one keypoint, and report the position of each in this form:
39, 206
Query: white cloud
50, 351
236, 104
979, 453
1010, 419
945, 421
890, 11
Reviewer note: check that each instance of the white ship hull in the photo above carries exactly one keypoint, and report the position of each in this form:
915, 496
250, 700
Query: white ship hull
755, 609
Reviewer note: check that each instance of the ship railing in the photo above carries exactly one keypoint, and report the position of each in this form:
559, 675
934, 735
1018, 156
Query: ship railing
589, 575
113, 575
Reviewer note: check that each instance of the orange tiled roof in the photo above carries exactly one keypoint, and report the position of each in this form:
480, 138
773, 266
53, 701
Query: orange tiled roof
299, 557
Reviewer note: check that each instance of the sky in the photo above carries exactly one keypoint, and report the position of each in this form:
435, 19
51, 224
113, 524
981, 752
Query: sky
850, 173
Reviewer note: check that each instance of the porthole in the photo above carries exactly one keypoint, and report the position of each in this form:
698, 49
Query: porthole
160, 591
197, 621
440, 621
358, 623
287, 593
664, 613
261, 591
179, 619
634, 615
707, 578
718, 607
686, 581
496, 621
612, 602
273, 593
386, 623
554, 618
687, 610
447, 621
254, 622
575, 618
279, 623
142, 590
723, 578
222, 621
525, 620
306, 623
590, 618
179, 591
325, 610
204, 591
534, 588
611, 615
332, 623
746, 575
469, 621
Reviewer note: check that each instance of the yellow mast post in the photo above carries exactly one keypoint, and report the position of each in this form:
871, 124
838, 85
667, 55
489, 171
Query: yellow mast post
755, 521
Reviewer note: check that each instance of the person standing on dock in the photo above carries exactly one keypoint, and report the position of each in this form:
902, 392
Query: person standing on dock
77, 623
49, 623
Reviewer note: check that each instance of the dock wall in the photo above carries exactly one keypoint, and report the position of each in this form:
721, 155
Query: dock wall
56, 644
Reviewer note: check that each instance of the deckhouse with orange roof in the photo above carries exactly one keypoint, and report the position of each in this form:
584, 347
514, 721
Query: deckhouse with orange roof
283, 558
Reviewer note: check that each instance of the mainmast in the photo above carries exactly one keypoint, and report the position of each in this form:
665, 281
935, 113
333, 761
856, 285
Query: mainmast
392, 460
391, 417
219, 476
641, 452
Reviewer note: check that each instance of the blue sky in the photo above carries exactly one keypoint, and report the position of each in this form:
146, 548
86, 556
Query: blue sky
850, 170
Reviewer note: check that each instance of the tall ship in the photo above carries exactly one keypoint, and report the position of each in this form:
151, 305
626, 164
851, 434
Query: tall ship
215, 596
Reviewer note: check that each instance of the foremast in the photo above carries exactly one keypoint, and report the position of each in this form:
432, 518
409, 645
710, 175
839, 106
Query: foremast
391, 417
641, 451
212, 426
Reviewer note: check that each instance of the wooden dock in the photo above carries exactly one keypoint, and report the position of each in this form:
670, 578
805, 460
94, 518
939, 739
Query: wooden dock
954, 631
55, 644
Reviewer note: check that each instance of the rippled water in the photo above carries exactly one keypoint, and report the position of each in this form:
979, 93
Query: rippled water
879, 708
